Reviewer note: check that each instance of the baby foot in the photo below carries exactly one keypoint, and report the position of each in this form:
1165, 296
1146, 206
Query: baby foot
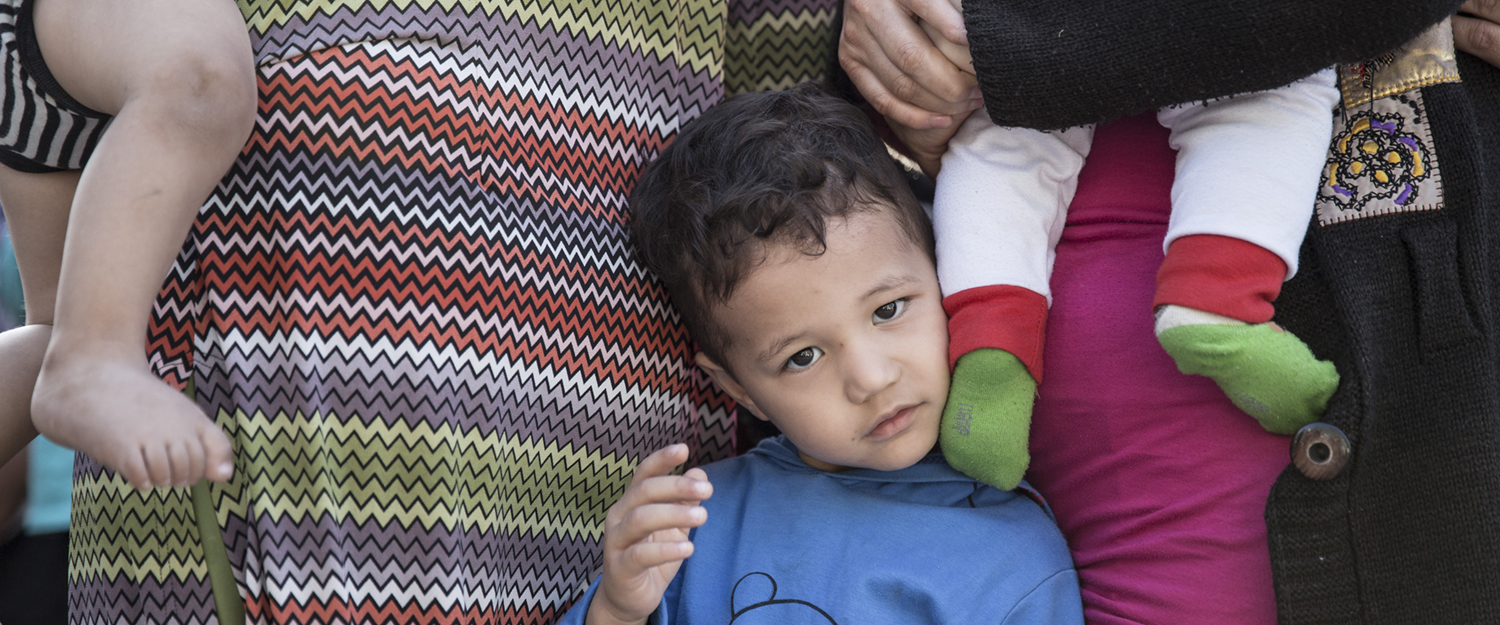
129, 420
986, 424
1266, 371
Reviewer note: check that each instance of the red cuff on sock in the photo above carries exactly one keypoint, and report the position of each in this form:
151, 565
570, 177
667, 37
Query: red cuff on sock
1221, 275
1001, 317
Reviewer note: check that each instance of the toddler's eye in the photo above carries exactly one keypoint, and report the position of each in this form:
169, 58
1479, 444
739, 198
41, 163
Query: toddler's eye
889, 311
804, 359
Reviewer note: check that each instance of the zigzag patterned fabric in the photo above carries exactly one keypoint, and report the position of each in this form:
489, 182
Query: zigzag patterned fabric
412, 307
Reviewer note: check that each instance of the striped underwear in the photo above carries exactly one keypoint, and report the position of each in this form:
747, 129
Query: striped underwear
42, 128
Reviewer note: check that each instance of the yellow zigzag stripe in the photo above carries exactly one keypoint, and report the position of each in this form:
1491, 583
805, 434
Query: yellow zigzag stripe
693, 38
300, 466
152, 535
777, 51
781, 22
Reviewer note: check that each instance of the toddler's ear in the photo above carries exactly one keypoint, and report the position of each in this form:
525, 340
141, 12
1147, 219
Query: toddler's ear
726, 381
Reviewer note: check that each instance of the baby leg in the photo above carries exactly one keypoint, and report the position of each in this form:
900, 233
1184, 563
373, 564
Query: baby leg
1213, 317
21, 352
998, 213
1247, 177
179, 79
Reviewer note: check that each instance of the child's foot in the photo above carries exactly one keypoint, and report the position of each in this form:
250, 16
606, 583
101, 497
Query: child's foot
130, 421
1266, 371
986, 426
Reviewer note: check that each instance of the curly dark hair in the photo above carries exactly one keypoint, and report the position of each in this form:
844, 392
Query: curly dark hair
759, 169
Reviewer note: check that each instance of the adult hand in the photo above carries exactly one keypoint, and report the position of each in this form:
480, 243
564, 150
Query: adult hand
1476, 29
896, 67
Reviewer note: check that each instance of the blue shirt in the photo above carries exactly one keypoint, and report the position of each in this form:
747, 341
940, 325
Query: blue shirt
787, 543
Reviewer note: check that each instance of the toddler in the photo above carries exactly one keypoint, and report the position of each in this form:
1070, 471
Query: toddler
803, 267
118, 120
1247, 175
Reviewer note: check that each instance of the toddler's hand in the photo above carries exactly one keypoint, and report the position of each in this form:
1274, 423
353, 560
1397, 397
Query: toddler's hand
646, 537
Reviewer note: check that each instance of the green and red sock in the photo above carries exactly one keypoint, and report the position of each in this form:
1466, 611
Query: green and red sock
996, 335
1214, 305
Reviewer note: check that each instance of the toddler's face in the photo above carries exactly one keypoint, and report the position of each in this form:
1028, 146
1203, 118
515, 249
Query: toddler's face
846, 352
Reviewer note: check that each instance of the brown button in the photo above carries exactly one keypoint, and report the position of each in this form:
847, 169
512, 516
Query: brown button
1320, 451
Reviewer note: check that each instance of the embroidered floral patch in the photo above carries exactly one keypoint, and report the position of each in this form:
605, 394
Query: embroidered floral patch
1381, 161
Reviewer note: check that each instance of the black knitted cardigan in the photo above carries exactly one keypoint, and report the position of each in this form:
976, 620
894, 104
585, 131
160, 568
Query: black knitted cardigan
1069, 62
1406, 305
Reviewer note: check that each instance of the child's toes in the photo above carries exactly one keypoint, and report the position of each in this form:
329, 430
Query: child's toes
1270, 374
187, 461
134, 469
218, 454
158, 464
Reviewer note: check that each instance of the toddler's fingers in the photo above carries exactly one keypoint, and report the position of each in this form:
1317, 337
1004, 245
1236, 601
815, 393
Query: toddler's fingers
660, 462
665, 489
648, 555
640, 523
218, 454
701, 488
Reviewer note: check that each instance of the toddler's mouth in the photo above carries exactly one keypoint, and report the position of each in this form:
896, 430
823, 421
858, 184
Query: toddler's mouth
894, 423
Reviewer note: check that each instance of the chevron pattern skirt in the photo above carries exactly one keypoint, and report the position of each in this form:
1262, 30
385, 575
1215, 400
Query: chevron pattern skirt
412, 306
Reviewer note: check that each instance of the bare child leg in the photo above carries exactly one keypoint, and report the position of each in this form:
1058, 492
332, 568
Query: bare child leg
178, 77
36, 210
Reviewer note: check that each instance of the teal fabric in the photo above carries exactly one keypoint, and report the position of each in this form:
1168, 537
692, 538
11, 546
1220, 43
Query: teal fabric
12, 305
49, 487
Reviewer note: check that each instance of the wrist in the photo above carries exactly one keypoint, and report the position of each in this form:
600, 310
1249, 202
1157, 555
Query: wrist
603, 612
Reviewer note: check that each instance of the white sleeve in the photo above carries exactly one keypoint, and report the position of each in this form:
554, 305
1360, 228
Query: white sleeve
1002, 198
1249, 166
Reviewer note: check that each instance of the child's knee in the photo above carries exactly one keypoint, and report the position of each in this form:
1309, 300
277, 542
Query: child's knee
210, 93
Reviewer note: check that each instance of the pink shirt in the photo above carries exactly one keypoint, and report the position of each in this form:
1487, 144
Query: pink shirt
1158, 482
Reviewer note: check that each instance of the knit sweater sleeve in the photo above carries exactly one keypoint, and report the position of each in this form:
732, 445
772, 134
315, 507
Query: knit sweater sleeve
1065, 63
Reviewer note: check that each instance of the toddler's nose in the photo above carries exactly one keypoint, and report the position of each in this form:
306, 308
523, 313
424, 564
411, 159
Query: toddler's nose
868, 372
